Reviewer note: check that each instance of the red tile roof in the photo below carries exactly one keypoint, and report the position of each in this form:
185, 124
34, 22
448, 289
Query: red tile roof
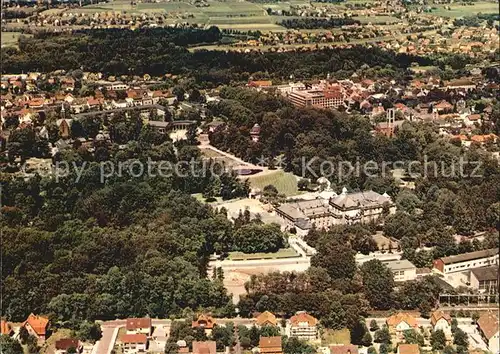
5, 327
208, 347
344, 349
266, 317
488, 323
303, 317
135, 323
134, 338
437, 315
38, 323
408, 349
66, 343
204, 321
270, 344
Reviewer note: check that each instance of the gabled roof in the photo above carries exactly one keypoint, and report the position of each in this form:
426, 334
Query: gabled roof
396, 319
270, 344
135, 323
5, 327
266, 317
204, 321
208, 347
38, 323
469, 256
66, 343
488, 323
437, 315
344, 349
303, 317
486, 273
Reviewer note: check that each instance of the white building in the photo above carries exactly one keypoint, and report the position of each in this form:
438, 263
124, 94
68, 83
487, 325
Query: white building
134, 343
139, 326
441, 321
466, 261
402, 270
303, 326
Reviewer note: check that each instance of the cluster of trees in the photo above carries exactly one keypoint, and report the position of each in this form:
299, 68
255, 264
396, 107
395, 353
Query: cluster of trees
313, 22
182, 330
160, 51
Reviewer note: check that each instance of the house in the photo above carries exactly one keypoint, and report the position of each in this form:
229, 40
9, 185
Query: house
37, 326
266, 318
344, 349
270, 345
207, 347
402, 270
133, 343
204, 321
63, 345
408, 349
442, 321
6, 328
401, 322
442, 107
139, 325
488, 327
485, 280
466, 261
304, 326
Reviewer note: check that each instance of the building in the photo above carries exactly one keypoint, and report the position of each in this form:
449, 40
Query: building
206, 322
402, 270
488, 327
346, 208
139, 325
344, 349
207, 347
270, 345
63, 345
408, 349
133, 343
266, 318
6, 328
441, 321
331, 97
400, 322
37, 326
466, 261
485, 279
303, 326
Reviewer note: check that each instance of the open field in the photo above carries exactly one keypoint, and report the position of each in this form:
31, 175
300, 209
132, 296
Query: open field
342, 336
459, 10
9, 39
285, 182
282, 253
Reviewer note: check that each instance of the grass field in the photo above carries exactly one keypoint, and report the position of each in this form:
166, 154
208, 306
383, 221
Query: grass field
285, 182
342, 336
282, 253
9, 39
459, 10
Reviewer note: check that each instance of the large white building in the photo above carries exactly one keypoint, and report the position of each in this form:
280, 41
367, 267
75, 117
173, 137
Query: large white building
466, 261
402, 270
303, 326
346, 208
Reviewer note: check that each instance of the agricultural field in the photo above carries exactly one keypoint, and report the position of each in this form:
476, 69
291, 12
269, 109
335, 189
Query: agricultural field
330, 336
282, 253
285, 182
462, 10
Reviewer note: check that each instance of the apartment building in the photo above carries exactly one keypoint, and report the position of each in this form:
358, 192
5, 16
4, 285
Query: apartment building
403, 270
303, 326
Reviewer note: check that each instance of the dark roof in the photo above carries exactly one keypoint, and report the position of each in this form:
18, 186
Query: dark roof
136, 323
469, 256
66, 343
486, 273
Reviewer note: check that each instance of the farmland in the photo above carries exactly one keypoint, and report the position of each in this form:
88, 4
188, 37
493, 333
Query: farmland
9, 39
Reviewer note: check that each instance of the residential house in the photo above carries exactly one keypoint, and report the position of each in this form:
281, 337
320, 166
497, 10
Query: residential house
485, 280
63, 345
6, 328
466, 261
68, 84
270, 345
207, 347
139, 325
402, 270
266, 318
408, 349
442, 107
400, 322
37, 326
205, 322
489, 329
442, 321
133, 343
344, 349
303, 326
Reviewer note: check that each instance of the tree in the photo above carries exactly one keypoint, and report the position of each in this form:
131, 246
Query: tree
294, 345
303, 184
412, 337
9, 345
374, 325
89, 331
385, 348
372, 350
367, 339
438, 340
337, 258
382, 336
253, 238
460, 338
378, 283
171, 348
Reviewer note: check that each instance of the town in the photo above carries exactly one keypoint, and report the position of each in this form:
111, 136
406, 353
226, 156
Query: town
249, 177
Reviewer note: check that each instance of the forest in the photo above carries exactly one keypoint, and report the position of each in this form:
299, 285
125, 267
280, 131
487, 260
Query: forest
146, 51
313, 23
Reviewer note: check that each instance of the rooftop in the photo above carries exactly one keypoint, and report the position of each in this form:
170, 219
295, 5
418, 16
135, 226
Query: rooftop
470, 256
400, 265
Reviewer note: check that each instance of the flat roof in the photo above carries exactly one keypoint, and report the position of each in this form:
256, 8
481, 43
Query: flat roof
400, 265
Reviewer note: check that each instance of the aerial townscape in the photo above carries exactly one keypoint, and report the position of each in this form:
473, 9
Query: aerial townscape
249, 176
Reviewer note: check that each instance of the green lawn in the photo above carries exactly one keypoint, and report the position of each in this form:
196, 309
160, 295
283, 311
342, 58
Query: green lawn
285, 182
330, 336
9, 39
282, 253
460, 10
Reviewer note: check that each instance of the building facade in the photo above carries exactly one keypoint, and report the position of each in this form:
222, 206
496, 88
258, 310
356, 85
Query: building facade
485, 280
466, 261
303, 326
402, 270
